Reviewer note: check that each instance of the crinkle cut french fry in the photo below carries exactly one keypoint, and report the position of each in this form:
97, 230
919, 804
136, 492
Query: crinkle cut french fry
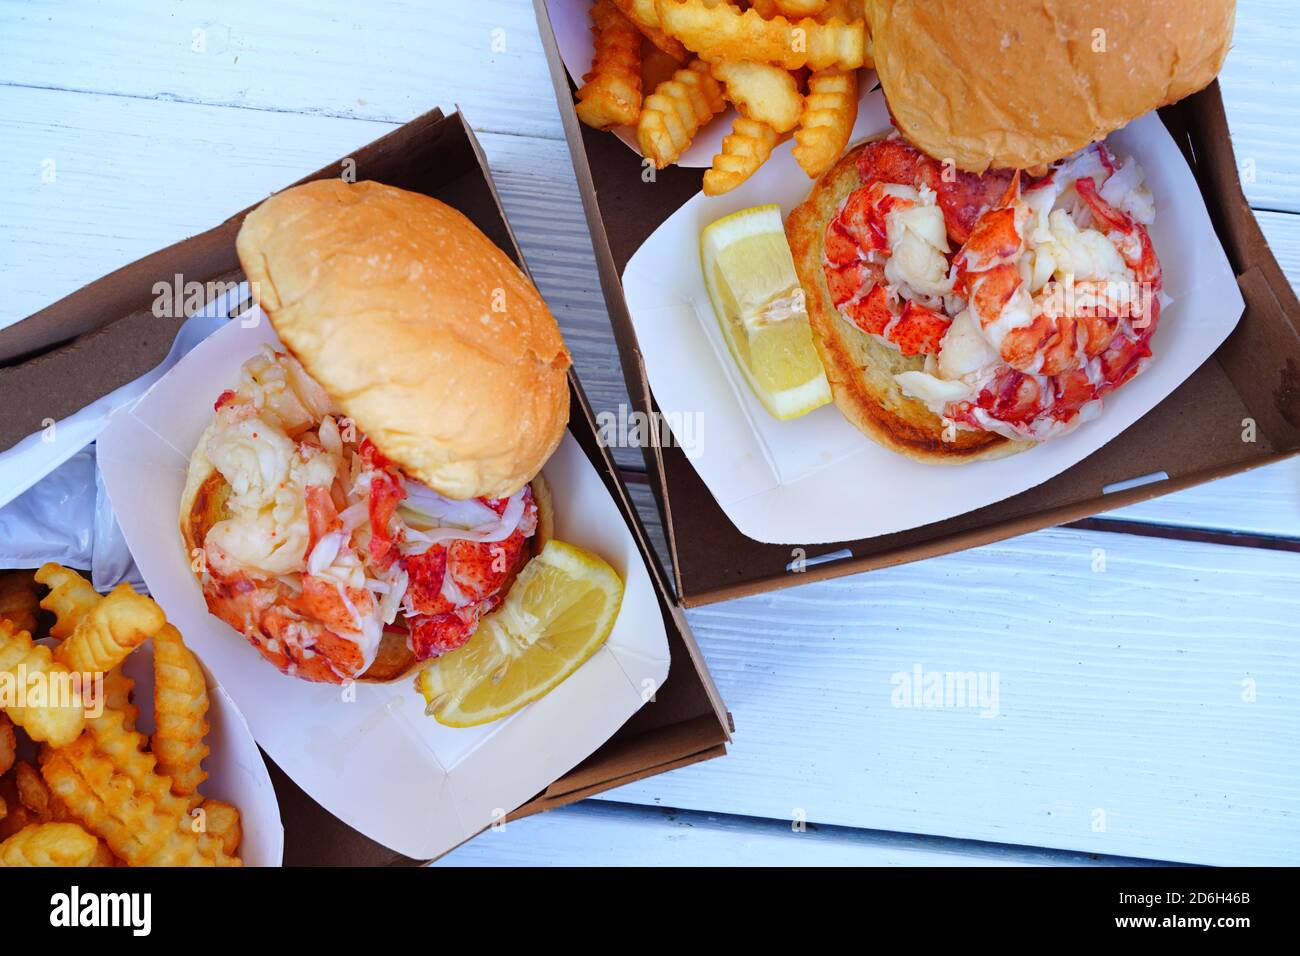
70, 598
126, 749
725, 33
829, 112
744, 149
675, 111
223, 823
106, 804
180, 694
800, 8
645, 18
846, 10
49, 844
108, 783
761, 91
611, 92
59, 717
107, 779
41, 804
118, 689
110, 631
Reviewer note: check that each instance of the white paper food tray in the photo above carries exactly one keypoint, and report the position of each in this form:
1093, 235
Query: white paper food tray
369, 755
818, 479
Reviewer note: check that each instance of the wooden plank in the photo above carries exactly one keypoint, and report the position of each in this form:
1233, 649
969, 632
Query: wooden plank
601, 834
1122, 700
98, 181
386, 61
1261, 90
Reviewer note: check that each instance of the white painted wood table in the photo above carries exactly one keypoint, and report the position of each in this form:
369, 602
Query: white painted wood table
1148, 711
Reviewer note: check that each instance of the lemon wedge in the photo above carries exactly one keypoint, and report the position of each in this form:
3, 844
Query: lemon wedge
756, 296
557, 613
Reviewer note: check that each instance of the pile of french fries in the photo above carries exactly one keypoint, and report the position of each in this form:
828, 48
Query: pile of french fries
787, 66
98, 792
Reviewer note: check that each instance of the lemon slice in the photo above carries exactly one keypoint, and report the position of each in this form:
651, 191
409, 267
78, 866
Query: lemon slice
556, 615
756, 296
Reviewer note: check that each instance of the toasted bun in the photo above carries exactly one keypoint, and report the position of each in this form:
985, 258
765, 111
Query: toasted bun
203, 504
860, 367
990, 83
426, 335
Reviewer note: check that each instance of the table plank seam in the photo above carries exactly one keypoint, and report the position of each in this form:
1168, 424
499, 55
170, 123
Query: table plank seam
862, 835
1274, 210
1154, 529
162, 97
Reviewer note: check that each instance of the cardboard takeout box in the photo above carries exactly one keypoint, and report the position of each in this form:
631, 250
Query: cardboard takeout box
1194, 435
106, 334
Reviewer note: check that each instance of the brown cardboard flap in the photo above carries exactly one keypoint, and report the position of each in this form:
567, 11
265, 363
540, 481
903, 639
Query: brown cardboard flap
315, 837
127, 292
107, 356
636, 754
1199, 432
543, 803
1262, 357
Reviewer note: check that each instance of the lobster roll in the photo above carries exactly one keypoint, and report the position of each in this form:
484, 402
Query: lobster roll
369, 488
965, 316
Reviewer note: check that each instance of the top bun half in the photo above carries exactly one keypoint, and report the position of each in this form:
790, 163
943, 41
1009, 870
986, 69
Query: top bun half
426, 335
1019, 84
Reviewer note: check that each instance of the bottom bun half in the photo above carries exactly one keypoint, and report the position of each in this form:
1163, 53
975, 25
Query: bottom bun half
860, 367
203, 504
